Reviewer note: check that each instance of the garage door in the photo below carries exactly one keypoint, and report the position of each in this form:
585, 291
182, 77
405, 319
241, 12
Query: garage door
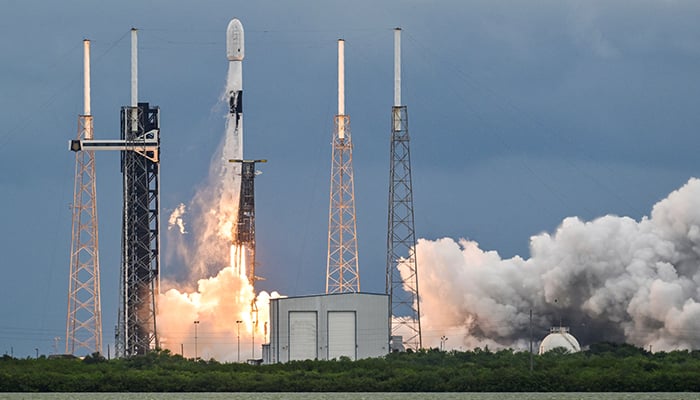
302, 335
341, 334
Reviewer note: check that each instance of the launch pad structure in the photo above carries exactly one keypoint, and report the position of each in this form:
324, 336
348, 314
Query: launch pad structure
404, 310
139, 145
136, 324
342, 270
84, 317
244, 230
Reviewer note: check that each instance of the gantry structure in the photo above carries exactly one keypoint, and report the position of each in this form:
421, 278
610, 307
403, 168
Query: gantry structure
342, 269
139, 146
140, 267
244, 230
402, 288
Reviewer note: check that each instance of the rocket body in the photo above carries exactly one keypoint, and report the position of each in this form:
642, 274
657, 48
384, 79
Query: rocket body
234, 91
233, 142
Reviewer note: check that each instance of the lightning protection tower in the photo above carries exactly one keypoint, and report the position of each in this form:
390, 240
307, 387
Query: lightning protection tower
404, 314
84, 320
244, 231
342, 273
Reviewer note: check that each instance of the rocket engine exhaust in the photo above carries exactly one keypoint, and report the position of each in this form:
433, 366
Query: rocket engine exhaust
216, 291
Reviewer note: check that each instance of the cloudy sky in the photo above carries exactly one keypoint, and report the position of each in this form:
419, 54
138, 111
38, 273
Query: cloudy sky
520, 114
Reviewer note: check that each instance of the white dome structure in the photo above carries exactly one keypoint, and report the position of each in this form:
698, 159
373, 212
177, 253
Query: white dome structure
559, 337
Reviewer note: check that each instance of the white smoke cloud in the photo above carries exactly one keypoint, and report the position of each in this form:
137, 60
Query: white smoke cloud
612, 278
212, 213
212, 291
176, 219
217, 304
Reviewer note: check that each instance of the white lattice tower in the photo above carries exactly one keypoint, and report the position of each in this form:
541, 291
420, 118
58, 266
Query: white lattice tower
342, 271
84, 318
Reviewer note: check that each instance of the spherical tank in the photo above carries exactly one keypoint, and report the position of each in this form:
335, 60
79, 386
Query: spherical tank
559, 337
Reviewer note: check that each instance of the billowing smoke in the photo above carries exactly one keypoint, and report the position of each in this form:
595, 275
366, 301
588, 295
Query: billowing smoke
232, 320
217, 304
213, 212
612, 278
177, 219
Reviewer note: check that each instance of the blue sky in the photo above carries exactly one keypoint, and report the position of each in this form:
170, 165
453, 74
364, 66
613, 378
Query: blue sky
520, 113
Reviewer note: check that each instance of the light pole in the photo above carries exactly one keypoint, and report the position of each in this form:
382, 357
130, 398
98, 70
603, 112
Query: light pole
238, 323
531, 360
255, 325
443, 339
195, 339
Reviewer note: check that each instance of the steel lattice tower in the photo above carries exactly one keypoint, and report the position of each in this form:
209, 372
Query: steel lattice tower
342, 272
84, 320
140, 234
140, 268
401, 238
244, 231
140, 264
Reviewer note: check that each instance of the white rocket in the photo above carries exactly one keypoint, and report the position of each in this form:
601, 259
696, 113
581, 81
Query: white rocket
233, 142
234, 90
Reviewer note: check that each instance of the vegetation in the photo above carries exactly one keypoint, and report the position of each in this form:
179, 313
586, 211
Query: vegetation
604, 367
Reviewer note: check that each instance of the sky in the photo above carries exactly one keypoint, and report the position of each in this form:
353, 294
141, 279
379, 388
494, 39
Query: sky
521, 114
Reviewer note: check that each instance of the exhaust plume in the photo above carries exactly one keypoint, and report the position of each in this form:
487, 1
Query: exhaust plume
610, 279
211, 291
213, 213
176, 219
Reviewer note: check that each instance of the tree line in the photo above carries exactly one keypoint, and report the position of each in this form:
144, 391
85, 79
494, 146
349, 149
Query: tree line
603, 367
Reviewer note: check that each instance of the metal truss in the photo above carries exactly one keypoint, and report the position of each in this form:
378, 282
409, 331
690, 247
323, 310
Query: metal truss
244, 234
140, 268
401, 237
342, 272
84, 318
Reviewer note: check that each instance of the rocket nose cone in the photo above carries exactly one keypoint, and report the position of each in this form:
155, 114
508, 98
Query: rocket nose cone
234, 41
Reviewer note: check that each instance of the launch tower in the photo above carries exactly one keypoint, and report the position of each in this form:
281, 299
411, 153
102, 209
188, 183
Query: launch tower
140, 265
342, 273
136, 330
404, 314
140, 233
84, 320
244, 233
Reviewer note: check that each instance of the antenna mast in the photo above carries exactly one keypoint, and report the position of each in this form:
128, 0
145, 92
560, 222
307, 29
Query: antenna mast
401, 237
342, 272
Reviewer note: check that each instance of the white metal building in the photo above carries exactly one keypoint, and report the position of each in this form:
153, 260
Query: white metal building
324, 327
